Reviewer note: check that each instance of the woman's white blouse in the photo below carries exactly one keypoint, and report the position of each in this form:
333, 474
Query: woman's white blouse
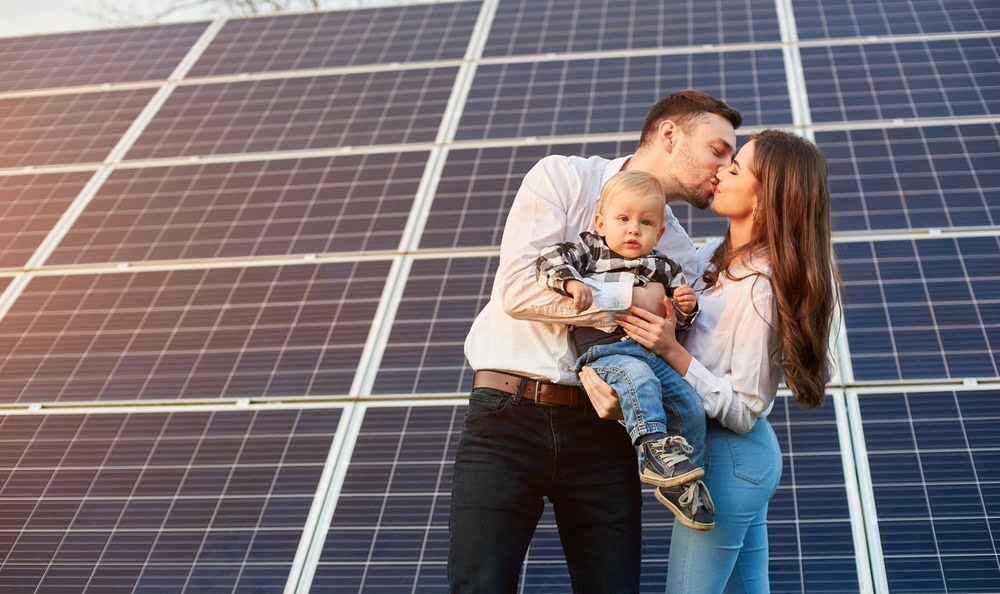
730, 344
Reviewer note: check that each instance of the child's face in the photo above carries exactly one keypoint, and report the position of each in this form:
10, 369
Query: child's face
631, 223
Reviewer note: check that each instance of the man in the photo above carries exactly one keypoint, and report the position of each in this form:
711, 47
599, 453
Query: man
530, 431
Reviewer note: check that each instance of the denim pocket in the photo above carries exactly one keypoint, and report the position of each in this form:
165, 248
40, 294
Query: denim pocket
486, 402
754, 454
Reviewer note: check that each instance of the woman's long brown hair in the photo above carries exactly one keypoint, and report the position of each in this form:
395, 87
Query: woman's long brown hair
791, 229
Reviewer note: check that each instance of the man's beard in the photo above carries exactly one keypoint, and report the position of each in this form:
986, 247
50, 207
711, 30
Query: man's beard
692, 194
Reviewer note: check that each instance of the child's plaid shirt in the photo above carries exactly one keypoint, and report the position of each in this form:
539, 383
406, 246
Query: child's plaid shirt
591, 258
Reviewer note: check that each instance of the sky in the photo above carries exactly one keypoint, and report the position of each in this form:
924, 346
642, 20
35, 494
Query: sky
23, 17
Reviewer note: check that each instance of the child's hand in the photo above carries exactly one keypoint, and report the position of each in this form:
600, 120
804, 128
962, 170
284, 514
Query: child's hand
685, 298
582, 297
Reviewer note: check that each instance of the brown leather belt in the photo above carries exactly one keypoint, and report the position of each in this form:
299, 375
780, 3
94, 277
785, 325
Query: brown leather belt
536, 391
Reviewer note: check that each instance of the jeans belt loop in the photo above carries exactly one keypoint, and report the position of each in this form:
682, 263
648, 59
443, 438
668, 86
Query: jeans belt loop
520, 390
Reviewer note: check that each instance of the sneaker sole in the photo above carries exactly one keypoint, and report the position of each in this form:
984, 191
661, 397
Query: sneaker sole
659, 481
680, 515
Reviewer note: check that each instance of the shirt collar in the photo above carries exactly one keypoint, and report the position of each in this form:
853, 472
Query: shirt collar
614, 166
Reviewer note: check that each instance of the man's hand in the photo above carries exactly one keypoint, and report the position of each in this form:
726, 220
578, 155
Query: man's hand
582, 297
601, 394
685, 298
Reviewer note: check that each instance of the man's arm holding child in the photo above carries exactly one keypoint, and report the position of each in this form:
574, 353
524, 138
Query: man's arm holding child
538, 219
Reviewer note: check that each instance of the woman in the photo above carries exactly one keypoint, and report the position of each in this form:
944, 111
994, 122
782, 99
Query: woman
767, 299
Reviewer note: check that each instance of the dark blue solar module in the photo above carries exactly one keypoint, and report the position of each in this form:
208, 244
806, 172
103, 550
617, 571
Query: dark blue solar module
425, 351
299, 113
192, 502
531, 27
282, 207
613, 95
390, 527
921, 79
30, 205
935, 468
95, 57
926, 309
911, 178
211, 333
819, 19
55, 129
341, 38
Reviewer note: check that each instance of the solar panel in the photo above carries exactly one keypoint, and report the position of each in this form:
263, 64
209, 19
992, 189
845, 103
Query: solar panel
478, 186
934, 458
612, 95
390, 526
425, 349
294, 206
30, 205
920, 79
922, 309
193, 501
342, 38
95, 57
299, 113
526, 27
817, 19
53, 129
212, 333
910, 178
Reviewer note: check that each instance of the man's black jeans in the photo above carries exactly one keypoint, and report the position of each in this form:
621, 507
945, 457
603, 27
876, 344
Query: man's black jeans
513, 453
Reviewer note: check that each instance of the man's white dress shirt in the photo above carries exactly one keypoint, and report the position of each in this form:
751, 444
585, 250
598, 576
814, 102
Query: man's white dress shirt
524, 329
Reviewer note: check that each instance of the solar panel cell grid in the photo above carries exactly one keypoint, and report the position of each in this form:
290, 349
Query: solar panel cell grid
924, 79
526, 27
911, 178
95, 57
296, 206
299, 113
341, 38
30, 205
425, 352
843, 18
192, 502
613, 95
217, 333
62, 129
932, 458
922, 309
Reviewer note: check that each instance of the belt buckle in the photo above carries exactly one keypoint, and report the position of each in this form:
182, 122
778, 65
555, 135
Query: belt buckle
538, 394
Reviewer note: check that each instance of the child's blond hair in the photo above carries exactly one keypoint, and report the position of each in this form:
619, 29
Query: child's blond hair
638, 182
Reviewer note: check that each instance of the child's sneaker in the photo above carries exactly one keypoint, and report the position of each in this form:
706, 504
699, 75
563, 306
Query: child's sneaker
665, 462
691, 503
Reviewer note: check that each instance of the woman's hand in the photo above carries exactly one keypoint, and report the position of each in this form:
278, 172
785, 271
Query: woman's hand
601, 394
656, 334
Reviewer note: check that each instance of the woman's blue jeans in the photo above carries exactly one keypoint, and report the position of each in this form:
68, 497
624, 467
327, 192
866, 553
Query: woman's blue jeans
742, 472
654, 398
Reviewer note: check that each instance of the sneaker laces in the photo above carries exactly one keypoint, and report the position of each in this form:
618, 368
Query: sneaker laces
670, 451
679, 444
695, 497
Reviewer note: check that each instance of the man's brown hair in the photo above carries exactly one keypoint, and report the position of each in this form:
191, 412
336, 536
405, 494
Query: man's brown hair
683, 106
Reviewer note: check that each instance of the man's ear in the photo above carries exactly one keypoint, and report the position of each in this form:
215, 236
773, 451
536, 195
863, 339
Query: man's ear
665, 133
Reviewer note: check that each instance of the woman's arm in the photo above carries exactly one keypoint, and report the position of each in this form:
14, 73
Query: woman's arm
737, 398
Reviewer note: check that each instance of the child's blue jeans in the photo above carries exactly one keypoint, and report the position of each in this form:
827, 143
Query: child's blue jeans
654, 397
